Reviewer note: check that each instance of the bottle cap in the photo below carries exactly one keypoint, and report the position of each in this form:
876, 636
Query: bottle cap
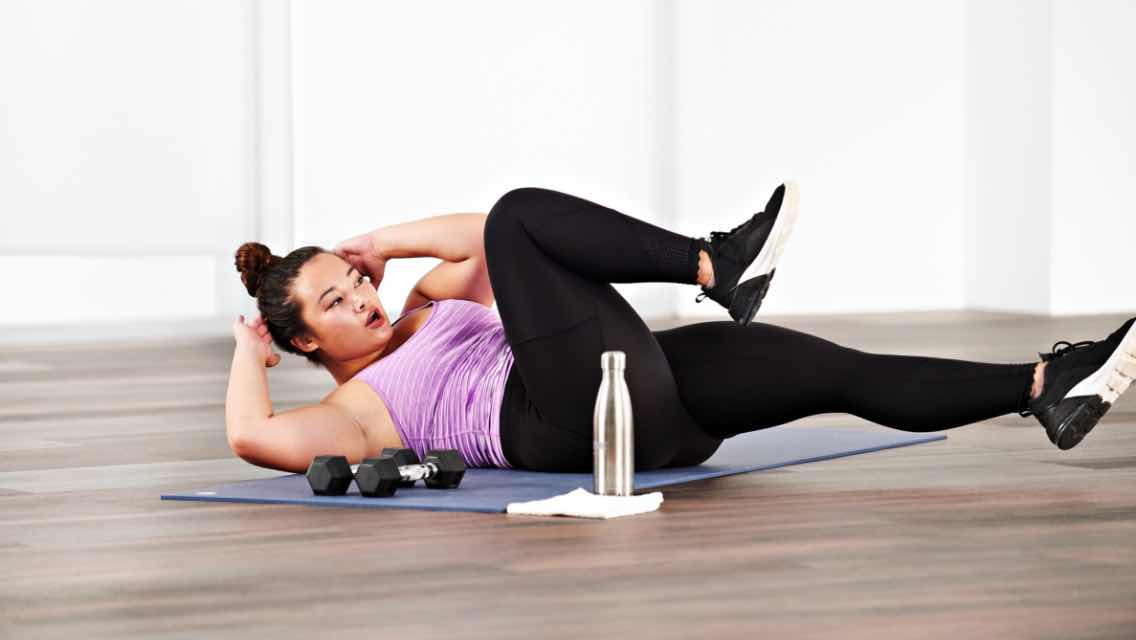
612, 360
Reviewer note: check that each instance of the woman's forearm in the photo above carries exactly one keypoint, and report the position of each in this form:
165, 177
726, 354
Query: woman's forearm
452, 237
247, 404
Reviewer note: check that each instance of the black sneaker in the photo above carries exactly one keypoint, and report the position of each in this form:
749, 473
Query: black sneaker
1082, 381
748, 253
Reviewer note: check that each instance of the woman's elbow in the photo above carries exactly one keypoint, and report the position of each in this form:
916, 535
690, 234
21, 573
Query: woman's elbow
253, 451
239, 447
243, 444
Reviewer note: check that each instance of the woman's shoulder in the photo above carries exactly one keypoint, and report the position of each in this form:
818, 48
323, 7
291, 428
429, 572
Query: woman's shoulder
359, 399
356, 396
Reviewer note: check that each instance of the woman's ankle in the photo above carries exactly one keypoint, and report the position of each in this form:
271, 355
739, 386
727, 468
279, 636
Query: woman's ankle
1038, 380
705, 270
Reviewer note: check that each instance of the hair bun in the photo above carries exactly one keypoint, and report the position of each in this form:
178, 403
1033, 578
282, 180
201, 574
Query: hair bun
253, 260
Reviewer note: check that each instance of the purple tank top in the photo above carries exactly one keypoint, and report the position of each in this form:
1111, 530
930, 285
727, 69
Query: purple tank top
443, 387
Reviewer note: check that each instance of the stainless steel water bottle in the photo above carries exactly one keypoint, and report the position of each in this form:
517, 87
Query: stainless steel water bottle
614, 442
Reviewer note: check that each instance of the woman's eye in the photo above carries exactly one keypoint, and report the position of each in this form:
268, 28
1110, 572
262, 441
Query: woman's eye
336, 301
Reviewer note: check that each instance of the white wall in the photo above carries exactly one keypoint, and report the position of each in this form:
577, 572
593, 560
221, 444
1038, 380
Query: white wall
1006, 256
861, 104
414, 109
950, 154
123, 160
1051, 196
1094, 157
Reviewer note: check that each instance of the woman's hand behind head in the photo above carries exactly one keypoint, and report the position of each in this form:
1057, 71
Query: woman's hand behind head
361, 253
256, 338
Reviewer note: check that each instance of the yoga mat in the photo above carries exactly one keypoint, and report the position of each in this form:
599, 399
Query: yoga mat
490, 490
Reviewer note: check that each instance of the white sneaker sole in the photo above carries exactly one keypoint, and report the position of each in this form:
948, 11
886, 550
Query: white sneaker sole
770, 253
1114, 376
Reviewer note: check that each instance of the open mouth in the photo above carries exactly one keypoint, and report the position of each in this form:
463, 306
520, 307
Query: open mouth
375, 320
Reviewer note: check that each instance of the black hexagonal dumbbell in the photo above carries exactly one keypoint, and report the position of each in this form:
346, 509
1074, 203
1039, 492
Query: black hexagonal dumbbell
378, 477
329, 475
381, 477
403, 457
446, 469
375, 479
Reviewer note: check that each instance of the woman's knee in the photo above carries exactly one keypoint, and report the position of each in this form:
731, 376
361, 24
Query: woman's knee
507, 204
502, 223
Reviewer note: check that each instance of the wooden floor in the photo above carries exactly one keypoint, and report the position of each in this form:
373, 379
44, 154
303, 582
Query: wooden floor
992, 533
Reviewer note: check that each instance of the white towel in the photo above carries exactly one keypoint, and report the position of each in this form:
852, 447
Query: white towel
585, 504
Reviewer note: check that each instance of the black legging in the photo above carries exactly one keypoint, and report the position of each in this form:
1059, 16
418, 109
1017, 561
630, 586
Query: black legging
551, 259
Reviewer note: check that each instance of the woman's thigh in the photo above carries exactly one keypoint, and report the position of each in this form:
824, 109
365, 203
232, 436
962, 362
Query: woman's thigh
558, 323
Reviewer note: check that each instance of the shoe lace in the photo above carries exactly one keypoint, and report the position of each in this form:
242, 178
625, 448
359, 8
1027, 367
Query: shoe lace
715, 236
1060, 348
1069, 346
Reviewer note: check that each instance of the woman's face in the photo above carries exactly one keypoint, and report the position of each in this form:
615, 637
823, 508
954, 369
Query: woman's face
337, 304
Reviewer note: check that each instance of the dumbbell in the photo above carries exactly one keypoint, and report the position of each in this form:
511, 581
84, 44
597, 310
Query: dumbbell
381, 477
403, 457
331, 475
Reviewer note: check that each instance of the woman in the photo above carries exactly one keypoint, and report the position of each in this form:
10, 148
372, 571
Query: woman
518, 390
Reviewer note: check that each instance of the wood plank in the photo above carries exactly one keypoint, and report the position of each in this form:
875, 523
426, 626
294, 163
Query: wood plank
991, 533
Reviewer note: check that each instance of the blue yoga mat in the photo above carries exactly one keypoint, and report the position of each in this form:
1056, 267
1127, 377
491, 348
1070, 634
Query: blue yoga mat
490, 490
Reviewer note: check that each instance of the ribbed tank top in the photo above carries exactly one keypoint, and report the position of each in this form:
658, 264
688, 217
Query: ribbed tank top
443, 387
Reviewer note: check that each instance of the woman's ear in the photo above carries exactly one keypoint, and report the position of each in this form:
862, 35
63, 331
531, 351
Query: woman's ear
305, 343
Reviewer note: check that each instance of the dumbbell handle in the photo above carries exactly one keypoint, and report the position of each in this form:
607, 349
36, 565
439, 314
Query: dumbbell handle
417, 472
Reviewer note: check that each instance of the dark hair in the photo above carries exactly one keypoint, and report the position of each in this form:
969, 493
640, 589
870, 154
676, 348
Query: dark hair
268, 278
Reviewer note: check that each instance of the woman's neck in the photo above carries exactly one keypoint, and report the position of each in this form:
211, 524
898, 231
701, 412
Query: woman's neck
344, 370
